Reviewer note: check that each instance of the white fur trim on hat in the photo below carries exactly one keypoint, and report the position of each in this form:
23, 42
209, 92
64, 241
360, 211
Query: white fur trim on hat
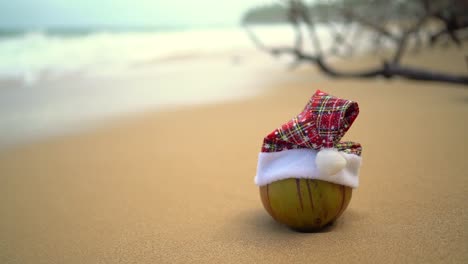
302, 163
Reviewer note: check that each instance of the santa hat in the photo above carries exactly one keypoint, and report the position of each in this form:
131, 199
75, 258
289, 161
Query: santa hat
308, 146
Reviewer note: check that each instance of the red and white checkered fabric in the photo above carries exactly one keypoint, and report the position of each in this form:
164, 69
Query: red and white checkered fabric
323, 122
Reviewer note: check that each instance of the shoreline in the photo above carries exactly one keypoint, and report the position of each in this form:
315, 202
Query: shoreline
82, 100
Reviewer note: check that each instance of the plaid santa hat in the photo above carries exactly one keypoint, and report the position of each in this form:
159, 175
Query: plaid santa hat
308, 146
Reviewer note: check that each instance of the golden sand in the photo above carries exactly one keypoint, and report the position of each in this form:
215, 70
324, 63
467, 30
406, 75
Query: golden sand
177, 186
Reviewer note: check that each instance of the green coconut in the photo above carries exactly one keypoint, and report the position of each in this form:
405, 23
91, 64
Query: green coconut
304, 204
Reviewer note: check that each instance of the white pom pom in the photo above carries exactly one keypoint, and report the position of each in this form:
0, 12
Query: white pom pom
330, 161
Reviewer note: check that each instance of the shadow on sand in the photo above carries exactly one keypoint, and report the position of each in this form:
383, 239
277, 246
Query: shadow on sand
254, 227
258, 223
261, 220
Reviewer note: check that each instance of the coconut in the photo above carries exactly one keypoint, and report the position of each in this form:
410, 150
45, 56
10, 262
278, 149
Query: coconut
305, 204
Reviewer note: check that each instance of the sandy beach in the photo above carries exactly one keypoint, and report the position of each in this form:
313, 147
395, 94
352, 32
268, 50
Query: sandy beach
176, 186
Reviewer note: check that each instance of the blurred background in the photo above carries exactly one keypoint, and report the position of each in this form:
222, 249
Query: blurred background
64, 63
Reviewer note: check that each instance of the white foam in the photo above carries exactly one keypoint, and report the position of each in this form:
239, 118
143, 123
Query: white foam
36, 52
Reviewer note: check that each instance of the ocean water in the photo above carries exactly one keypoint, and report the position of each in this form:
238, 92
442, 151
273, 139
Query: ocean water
26, 55
56, 81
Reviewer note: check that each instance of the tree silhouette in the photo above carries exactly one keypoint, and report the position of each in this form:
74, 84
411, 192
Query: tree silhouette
403, 24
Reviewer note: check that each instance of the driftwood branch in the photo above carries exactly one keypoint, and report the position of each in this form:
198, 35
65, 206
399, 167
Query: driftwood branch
387, 70
298, 14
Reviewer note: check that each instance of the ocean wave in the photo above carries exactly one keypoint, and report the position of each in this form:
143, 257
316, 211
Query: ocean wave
35, 52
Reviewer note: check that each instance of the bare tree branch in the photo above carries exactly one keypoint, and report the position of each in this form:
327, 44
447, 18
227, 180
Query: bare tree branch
298, 14
303, 15
404, 39
388, 70
365, 22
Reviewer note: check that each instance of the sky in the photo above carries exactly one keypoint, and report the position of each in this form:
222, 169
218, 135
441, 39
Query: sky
46, 13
